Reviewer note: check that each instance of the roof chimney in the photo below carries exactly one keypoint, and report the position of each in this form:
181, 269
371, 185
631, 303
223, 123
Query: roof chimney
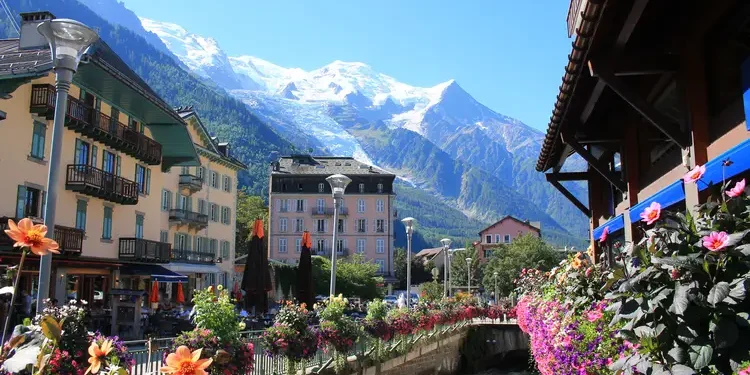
30, 37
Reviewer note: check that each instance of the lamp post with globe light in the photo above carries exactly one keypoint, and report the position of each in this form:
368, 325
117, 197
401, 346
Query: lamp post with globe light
68, 40
338, 184
409, 223
446, 245
495, 274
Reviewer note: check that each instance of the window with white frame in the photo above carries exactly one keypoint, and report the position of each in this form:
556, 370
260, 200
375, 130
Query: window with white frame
380, 205
340, 247
227, 182
214, 212
380, 226
360, 205
282, 245
298, 246
488, 239
166, 200
361, 225
300, 205
321, 206
381, 265
320, 226
283, 205
214, 179
320, 247
507, 238
299, 225
497, 238
380, 188
283, 224
226, 216
361, 242
361, 188
380, 246
341, 227
321, 187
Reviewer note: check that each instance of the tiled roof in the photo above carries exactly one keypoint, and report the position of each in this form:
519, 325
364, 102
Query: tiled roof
429, 252
19, 62
326, 165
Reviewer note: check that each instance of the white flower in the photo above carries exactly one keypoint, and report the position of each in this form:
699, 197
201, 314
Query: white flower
83, 302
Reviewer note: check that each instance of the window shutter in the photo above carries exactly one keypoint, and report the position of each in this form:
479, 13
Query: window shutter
278, 205
189, 203
119, 162
304, 205
94, 153
229, 216
176, 235
325, 226
21, 202
289, 205
188, 242
148, 181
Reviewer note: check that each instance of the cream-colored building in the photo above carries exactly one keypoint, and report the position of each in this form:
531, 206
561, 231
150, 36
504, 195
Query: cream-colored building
123, 148
300, 200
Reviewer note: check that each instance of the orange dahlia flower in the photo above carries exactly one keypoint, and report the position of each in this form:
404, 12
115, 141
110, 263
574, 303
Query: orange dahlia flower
28, 234
182, 362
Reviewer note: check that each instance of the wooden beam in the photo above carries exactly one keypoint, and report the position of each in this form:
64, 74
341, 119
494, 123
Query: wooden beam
567, 176
661, 122
636, 11
646, 64
595, 163
572, 198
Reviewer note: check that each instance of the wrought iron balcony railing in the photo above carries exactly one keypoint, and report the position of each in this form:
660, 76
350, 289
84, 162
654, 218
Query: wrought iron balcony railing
193, 256
186, 217
98, 183
142, 250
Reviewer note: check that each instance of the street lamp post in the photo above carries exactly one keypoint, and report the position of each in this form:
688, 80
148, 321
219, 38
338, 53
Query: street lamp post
494, 274
468, 274
446, 245
409, 223
338, 184
68, 40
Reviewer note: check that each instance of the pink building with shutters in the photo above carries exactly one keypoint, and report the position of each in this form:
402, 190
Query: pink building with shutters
300, 199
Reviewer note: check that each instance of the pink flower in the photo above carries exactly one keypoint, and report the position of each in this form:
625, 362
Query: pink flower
695, 174
603, 237
737, 190
593, 316
716, 241
589, 271
745, 371
651, 213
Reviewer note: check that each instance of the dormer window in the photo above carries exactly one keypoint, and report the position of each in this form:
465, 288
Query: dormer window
380, 188
361, 188
321, 187
299, 187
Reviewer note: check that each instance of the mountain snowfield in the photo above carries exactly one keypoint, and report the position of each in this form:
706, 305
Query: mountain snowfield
349, 109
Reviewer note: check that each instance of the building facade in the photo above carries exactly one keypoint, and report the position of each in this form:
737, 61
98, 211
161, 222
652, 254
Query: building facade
122, 147
300, 199
503, 232
661, 89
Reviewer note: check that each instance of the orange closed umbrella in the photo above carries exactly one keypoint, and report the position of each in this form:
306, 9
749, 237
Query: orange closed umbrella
180, 295
154, 298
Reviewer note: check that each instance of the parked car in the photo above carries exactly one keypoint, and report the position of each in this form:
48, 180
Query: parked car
390, 300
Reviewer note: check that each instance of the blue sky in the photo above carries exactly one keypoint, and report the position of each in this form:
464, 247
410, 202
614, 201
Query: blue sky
509, 55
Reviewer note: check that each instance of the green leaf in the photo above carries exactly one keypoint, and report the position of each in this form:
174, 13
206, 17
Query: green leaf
682, 370
677, 354
50, 328
725, 333
718, 293
735, 238
680, 302
739, 290
686, 334
700, 355
744, 249
743, 319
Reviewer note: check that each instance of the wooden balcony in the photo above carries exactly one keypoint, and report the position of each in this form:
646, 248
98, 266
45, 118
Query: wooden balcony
98, 183
328, 211
190, 184
97, 125
189, 218
141, 250
69, 239
192, 256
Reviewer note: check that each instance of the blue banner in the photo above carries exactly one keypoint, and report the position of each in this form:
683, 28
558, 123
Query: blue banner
746, 90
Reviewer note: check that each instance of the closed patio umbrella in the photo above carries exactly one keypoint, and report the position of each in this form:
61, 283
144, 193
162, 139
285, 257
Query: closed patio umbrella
304, 273
256, 281
180, 299
154, 297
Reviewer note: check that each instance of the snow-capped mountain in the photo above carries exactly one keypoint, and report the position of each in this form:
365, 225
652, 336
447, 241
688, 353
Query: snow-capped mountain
349, 108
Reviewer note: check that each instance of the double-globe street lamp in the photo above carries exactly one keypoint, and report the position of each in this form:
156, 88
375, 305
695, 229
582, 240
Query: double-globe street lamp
338, 184
68, 40
409, 223
446, 245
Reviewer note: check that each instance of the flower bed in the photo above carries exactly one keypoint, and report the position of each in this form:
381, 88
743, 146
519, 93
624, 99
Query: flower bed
674, 303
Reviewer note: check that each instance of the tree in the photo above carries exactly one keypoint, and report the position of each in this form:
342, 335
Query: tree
249, 208
433, 290
527, 251
458, 268
419, 271
355, 277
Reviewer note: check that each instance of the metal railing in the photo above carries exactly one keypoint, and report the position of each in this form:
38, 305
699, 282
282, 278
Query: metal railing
98, 183
193, 256
149, 354
188, 181
69, 239
188, 217
92, 122
328, 211
142, 250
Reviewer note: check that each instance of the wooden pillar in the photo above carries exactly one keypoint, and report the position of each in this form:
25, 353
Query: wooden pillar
632, 165
692, 79
598, 207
